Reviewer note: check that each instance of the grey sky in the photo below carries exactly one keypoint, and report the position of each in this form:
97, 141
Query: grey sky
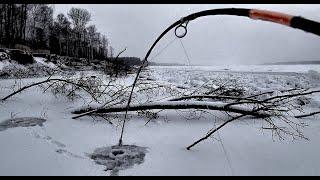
210, 40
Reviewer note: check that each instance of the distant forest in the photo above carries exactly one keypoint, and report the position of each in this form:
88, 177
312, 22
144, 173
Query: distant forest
129, 61
32, 27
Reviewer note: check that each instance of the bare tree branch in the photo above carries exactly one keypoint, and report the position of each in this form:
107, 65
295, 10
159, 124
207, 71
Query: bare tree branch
175, 105
306, 115
215, 130
212, 97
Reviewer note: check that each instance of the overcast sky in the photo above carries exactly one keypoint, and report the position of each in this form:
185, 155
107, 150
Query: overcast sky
210, 40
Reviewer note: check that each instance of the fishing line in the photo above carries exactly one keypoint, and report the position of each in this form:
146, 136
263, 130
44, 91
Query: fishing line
185, 52
220, 138
226, 154
164, 48
188, 61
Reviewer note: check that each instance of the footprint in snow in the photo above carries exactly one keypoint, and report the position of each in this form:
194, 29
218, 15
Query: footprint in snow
70, 154
59, 144
21, 122
31, 122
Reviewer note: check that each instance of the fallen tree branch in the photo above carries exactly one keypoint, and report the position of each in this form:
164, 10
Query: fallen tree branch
176, 103
219, 106
272, 101
282, 97
212, 97
78, 83
271, 92
273, 126
215, 130
29, 86
306, 115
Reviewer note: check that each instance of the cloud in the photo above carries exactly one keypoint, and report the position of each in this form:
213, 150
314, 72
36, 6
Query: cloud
210, 40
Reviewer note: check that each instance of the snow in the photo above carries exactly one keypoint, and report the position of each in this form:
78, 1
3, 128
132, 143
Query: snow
4, 64
41, 68
43, 62
62, 146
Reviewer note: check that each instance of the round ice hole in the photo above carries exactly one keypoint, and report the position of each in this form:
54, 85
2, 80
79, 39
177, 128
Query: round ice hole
117, 152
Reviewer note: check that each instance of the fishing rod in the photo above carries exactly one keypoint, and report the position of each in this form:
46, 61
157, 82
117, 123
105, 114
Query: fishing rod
256, 14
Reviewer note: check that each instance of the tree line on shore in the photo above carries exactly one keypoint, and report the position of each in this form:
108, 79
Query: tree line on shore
33, 27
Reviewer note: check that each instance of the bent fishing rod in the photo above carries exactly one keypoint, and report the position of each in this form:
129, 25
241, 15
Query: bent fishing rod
296, 22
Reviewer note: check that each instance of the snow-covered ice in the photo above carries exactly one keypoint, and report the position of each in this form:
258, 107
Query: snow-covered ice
62, 146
